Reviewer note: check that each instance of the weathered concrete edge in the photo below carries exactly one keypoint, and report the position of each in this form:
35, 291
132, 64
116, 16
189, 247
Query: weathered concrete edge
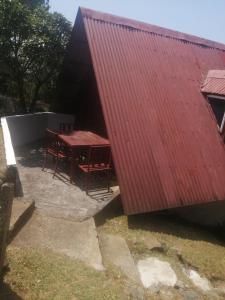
9, 151
21, 220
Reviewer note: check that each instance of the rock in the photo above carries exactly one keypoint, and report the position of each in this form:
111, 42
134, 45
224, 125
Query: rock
115, 251
155, 272
200, 282
116, 190
152, 243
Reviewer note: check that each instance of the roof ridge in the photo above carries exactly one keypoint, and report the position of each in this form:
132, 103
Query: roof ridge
153, 29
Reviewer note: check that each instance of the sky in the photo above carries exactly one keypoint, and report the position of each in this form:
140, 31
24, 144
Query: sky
204, 18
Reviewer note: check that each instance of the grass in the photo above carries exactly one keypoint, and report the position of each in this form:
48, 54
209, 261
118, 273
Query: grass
198, 247
44, 275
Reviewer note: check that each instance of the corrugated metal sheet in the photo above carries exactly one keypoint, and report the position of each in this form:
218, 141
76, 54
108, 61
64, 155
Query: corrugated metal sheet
214, 83
166, 147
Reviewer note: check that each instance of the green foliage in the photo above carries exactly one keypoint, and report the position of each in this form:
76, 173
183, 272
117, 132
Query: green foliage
32, 47
34, 3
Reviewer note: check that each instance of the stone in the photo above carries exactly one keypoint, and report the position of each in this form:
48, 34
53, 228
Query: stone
116, 190
155, 272
78, 240
200, 282
115, 251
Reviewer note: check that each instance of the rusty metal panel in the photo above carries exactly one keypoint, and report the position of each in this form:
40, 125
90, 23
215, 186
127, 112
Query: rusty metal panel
165, 144
214, 83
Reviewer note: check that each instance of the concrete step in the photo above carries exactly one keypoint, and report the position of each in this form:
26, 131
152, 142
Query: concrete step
22, 210
115, 251
78, 240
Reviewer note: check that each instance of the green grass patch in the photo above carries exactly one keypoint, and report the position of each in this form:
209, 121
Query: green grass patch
44, 275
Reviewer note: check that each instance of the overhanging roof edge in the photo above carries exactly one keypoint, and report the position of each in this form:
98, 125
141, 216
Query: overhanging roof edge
153, 29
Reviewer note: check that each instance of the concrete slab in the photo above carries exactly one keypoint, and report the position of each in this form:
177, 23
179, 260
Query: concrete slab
155, 272
78, 240
21, 211
56, 197
115, 251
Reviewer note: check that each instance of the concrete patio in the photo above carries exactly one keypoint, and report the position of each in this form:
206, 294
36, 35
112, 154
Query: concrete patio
56, 197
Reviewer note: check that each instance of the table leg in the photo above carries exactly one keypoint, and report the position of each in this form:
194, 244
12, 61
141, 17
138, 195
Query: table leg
72, 164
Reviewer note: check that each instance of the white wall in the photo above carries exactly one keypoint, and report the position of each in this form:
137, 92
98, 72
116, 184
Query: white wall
9, 151
25, 129
53, 120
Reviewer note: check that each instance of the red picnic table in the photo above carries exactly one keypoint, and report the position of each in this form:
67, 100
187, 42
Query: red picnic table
81, 139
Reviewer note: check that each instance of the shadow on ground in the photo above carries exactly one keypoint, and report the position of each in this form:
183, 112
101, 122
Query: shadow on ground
161, 222
112, 210
174, 225
30, 155
6, 293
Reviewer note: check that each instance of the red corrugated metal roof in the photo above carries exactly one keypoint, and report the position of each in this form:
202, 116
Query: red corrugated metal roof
214, 83
165, 144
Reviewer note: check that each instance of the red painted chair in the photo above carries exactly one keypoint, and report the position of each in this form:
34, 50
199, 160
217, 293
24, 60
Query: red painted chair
66, 127
99, 159
54, 148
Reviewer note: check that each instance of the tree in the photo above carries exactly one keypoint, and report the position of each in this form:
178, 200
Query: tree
32, 47
34, 3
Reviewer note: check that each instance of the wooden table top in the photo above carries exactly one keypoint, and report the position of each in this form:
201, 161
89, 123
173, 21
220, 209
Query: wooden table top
81, 138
